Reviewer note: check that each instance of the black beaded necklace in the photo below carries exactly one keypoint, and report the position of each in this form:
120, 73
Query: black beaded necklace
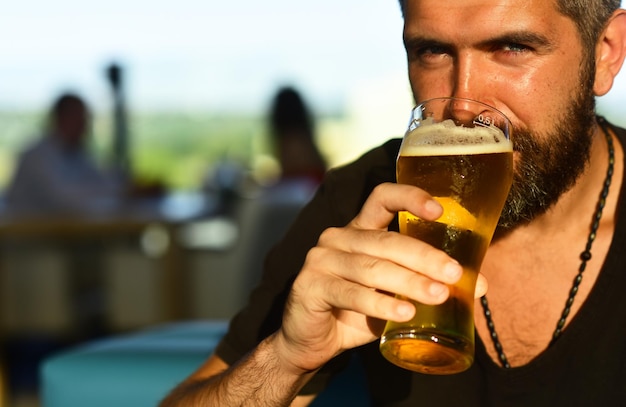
585, 256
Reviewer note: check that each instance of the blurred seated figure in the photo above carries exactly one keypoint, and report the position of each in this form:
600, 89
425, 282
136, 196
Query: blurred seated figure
301, 166
56, 175
292, 131
302, 169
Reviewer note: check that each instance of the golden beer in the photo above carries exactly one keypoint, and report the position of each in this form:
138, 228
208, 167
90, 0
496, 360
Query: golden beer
469, 171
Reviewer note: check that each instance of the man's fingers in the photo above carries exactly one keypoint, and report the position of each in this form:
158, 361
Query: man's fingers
379, 246
481, 286
376, 273
387, 199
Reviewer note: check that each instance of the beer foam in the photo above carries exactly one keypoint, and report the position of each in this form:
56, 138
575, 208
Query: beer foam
446, 138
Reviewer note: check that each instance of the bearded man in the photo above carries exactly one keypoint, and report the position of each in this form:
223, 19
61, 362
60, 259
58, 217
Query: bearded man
547, 336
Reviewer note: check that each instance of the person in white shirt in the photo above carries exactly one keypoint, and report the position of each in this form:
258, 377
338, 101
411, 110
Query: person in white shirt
57, 176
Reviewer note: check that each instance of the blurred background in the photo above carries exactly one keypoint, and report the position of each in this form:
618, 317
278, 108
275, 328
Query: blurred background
200, 75
180, 94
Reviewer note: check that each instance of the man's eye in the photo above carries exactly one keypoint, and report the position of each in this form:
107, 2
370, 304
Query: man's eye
430, 54
432, 51
515, 48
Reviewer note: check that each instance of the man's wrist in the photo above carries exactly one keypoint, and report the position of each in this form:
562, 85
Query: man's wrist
289, 361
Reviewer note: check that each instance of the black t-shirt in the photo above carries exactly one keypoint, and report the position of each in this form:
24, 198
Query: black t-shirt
585, 367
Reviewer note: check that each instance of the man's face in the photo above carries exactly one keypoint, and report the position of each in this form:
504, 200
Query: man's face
524, 58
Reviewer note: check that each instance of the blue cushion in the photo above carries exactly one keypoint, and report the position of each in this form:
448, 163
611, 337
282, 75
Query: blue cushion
139, 369
132, 370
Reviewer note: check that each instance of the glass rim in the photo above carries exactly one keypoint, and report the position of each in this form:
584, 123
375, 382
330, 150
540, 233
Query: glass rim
442, 98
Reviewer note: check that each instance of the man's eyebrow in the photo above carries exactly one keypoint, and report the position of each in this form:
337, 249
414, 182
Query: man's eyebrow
514, 37
519, 37
417, 41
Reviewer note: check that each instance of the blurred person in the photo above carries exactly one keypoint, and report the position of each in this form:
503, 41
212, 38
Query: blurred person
301, 166
56, 175
266, 218
292, 136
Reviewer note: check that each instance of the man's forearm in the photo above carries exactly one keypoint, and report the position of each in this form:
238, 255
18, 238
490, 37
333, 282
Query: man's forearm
261, 378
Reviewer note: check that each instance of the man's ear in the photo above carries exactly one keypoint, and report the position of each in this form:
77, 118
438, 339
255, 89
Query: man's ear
610, 53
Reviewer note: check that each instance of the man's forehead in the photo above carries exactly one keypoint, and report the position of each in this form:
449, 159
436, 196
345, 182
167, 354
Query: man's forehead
478, 17
482, 8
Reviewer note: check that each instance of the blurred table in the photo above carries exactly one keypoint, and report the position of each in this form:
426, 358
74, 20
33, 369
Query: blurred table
156, 237
153, 225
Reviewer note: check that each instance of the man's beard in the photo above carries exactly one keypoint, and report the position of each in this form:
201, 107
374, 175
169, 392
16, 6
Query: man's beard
549, 164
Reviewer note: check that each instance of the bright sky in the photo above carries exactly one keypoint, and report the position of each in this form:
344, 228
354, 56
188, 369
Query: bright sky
197, 53
208, 54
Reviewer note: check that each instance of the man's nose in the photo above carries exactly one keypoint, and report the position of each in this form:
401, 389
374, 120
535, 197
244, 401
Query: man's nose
470, 79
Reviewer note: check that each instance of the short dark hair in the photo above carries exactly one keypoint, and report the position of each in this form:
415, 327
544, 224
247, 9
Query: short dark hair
590, 16
64, 103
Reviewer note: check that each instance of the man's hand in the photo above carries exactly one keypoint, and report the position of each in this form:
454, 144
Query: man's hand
341, 298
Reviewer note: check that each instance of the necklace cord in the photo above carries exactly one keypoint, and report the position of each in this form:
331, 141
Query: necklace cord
585, 256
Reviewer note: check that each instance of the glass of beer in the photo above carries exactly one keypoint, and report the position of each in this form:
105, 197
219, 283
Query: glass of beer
459, 151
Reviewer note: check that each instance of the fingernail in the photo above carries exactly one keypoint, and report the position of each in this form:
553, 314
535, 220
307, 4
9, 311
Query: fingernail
433, 206
453, 271
436, 289
405, 310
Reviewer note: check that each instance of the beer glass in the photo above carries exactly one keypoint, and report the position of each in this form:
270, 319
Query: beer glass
459, 151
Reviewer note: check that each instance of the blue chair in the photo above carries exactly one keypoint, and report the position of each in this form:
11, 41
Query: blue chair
138, 370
